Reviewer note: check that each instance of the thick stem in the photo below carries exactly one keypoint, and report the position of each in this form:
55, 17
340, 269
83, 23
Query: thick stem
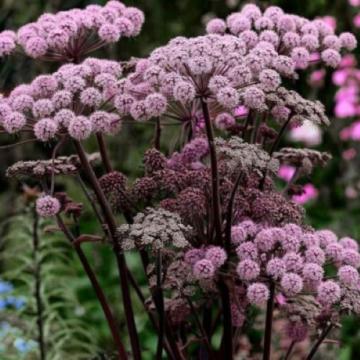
201, 329
97, 289
268, 323
289, 351
214, 172
230, 212
159, 302
120, 258
157, 134
37, 290
227, 340
170, 343
273, 148
316, 346
104, 153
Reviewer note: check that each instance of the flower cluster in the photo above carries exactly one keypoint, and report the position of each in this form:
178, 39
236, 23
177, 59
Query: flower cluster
154, 229
291, 260
69, 35
70, 101
297, 38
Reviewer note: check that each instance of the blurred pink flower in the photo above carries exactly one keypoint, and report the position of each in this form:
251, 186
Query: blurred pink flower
345, 109
241, 111
309, 133
345, 133
351, 193
280, 299
310, 193
286, 172
339, 77
348, 60
317, 77
314, 57
355, 130
356, 20
348, 154
330, 20
354, 2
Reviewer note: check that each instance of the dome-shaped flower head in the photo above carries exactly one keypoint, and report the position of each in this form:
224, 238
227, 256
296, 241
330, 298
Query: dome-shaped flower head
348, 41
45, 129
276, 268
290, 243
62, 99
5, 110
44, 85
351, 257
204, 269
100, 121
254, 98
47, 206
315, 254
64, 117
156, 104
60, 36
80, 128
258, 294
14, 122
334, 251
301, 57
248, 270
238, 234
312, 272
348, 275
291, 284
349, 243
224, 121
328, 292
36, 47
269, 79
247, 250
42, 108
331, 57
216, 26
91, 97
228, 97
326, 237
138, 111
22, 103
199, 65
265, 240
194, 255
216, 255
310, 239
184, 92
7, 43
109, 33
293, 261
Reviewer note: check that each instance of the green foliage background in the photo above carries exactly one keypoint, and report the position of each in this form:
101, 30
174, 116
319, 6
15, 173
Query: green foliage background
164, 20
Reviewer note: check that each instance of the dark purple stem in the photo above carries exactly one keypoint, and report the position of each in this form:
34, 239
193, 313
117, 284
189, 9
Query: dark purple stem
104, 153
37, 290
120, 258
268, 323
316, 346
98, 290
214, 172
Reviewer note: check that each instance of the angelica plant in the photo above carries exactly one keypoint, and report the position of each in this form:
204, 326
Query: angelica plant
215, 235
